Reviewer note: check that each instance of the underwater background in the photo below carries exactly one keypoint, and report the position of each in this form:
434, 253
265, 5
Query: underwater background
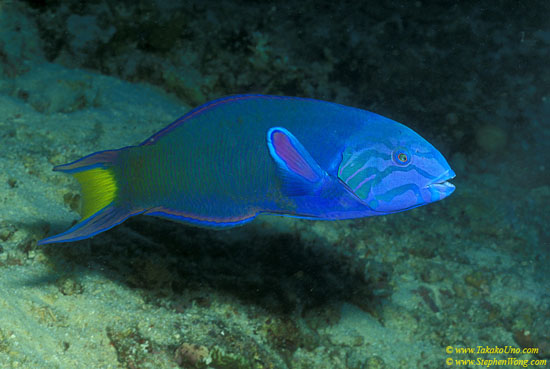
418, 289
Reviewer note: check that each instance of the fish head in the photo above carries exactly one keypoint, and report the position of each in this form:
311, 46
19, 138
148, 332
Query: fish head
392, 168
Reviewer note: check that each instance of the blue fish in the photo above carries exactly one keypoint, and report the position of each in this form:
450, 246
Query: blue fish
225, 162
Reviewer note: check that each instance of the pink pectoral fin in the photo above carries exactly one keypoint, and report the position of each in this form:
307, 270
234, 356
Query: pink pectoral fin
300, 172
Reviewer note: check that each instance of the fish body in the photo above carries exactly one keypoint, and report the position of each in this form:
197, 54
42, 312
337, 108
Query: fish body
225, 162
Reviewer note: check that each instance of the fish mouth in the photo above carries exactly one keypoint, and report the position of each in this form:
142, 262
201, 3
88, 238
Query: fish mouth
441, 185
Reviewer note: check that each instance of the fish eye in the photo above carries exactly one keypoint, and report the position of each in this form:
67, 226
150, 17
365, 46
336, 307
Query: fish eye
401, 157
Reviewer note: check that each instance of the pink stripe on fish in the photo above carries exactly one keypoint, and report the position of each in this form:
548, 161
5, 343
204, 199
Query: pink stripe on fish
162, 211
356, 172
351, 158
363, 182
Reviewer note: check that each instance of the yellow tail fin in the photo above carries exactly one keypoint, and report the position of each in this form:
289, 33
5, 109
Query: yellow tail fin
99, 189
